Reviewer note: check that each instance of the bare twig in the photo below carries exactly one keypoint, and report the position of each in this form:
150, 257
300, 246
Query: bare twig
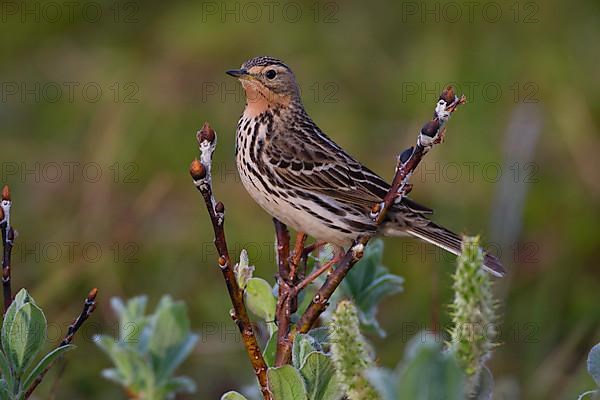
89, 306
201, 174
431, 134
321, 299
287, 301
8, 237
284, 299
315, 274
297, 256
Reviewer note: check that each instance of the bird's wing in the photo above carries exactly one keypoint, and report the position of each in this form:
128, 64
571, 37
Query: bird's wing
313, 162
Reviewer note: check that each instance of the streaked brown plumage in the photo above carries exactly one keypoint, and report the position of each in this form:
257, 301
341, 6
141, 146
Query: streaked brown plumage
304, 179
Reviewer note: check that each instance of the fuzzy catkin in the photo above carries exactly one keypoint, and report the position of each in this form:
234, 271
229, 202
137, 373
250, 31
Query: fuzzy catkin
349, 353
473, 313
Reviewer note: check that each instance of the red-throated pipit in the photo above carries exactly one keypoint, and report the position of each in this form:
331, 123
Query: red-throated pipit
304, 179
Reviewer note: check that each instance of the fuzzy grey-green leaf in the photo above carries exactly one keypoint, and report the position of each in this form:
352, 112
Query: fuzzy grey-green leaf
20, 299
427, 363
260, 299
243, 270
593, 363
286, 383
271, 350
231, 395
302, 347
26, 336
319, 375
45, 362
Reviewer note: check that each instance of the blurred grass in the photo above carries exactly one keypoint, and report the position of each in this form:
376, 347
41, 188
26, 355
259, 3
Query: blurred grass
370, 73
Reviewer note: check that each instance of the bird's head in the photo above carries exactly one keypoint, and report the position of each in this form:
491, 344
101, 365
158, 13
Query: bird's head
267, 81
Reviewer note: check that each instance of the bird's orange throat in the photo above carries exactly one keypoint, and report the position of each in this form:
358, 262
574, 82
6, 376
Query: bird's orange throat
259, 99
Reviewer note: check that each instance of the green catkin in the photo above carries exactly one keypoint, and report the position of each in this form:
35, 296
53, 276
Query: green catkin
473, 312
349, 353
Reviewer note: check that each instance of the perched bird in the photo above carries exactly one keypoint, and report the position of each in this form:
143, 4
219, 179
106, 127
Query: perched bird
304, 179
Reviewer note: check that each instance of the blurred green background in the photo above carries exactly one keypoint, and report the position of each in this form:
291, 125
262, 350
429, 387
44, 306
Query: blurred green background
100, 102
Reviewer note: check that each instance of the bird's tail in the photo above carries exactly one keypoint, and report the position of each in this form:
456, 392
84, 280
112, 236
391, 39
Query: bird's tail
447, 240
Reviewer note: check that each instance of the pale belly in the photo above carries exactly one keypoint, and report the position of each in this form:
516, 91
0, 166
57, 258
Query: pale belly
298, 219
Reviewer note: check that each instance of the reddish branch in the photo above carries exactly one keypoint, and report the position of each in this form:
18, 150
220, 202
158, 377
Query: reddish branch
200, 172
89, 306
431, 134
8, 237
287, 300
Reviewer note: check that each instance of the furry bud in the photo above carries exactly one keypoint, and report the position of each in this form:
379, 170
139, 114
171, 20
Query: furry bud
197, 170
206, 133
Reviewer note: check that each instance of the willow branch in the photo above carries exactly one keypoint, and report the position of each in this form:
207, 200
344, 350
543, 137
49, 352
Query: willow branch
8, 237
200, 171
89, 306
284, 299
431, 134
287, 301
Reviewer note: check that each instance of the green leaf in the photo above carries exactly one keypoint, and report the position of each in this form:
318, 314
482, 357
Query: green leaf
426, 363
270, 351
178, 355
384, 381
125, 359
320, 336
20, 299
4, 390
113, 374
180, 384
286, 383
593, 363
131, 318
7, 374
302, 347
232, 396
26, 336
319, 374
260, 300
171, 330
242, 270
368, 283
44, 362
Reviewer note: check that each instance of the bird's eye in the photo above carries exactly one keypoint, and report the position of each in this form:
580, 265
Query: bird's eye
270, 74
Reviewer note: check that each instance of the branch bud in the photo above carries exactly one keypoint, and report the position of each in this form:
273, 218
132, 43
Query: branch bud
220, 208
197, 170
448, 95
406, 154
222, 262
431, 128
6, 193
206, 133
92, 295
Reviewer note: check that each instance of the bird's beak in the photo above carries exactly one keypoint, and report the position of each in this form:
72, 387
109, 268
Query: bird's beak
238, 73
